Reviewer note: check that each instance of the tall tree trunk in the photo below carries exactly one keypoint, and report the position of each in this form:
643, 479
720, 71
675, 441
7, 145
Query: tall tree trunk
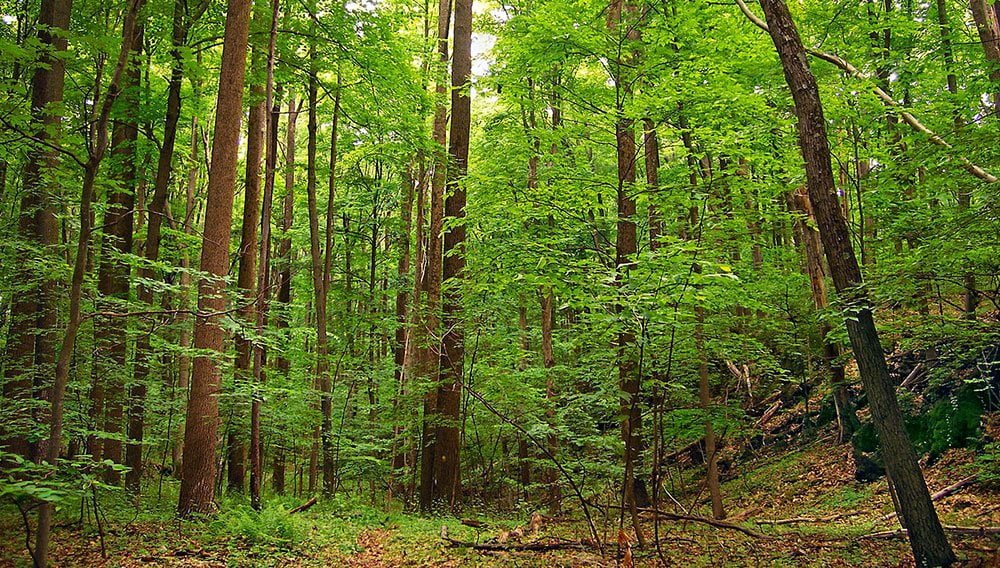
184, 339
622, 19
202, 423
108, 392
121, 205
62, 367
402, 305
448, 444
971, 294
927, 538
30, 343
248, 252
429, 351
264, 272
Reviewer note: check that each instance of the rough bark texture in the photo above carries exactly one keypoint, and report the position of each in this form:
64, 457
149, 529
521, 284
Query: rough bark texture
447, 438
202, 424
113, 275
429, 350
80, 262
927, 538
30, 347
246, 280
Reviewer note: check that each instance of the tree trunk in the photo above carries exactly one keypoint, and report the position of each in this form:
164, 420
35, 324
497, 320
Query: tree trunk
32, 317
402, 304
429, 351
930, 546
447, 452
62, 367
847, 420
264, 272
989, 35
123, 144
622, 17
202, 424
248, 252
285, 278
113, 275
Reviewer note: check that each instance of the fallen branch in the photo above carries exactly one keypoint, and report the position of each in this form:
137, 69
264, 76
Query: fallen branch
885, 97
950, 490
796, 520
962, 531
694, 519
677, 453
303, 507
769, 414
537, 546
910, 379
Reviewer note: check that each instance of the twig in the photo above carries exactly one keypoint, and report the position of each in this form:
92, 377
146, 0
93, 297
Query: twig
795, 520
27, 533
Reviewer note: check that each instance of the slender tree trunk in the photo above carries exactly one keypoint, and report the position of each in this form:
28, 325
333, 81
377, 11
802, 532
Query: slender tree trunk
202, 424
123, 144
285, 277
183, 359
847, 420
108, 392
622, 19
264, 272
402, 305
330, 473
927, 538
971, 294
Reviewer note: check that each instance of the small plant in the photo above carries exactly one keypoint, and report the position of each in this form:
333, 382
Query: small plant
270, 527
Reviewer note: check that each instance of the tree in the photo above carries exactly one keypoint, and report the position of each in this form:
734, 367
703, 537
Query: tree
202, 423
447, 439
31, 349
927, 538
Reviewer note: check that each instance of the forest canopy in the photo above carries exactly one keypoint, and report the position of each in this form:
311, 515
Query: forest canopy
601, 280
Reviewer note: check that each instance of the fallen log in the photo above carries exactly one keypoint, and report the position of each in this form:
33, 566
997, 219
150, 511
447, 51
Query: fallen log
796, 520
962, 531
950, 490
537, 546
303, 507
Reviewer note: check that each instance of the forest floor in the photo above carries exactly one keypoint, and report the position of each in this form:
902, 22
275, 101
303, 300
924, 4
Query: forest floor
813, 482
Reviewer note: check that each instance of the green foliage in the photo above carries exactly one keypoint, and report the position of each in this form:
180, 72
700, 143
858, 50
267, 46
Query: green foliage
271, 527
